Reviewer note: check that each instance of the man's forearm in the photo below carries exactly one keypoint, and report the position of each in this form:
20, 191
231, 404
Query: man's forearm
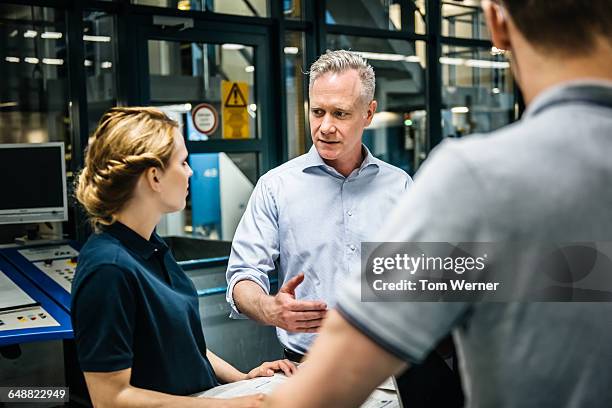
250, 300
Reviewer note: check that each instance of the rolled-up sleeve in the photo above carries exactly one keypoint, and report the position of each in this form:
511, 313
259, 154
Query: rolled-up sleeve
255, 247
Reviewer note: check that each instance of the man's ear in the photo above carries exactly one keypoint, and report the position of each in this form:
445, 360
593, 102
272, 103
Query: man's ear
152, 177
371, 111
497, 21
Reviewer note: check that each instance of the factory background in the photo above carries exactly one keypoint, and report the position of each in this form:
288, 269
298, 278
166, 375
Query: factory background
233, 74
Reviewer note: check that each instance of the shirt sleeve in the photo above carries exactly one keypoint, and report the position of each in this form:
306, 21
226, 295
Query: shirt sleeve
255, 247
440, 208
103, 316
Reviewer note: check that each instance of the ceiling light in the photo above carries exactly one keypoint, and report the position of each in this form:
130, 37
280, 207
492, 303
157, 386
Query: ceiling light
232, 46
452, 61
51, 35
30, 34
291, 50
31, 60
53, 61
249, 68
11, 59
460, 109
487, 64
96, 38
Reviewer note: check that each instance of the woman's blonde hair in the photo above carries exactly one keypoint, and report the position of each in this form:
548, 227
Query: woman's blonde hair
126, 142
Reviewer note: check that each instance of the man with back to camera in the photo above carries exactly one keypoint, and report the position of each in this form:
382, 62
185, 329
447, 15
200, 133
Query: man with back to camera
543, 179
308, 216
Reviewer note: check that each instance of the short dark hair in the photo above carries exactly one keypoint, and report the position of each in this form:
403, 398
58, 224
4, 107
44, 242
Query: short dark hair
562, 26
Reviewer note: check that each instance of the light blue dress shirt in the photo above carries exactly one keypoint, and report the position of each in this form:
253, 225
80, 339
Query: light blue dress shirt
304, 216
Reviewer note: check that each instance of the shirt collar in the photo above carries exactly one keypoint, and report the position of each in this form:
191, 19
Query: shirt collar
135, 242
313, 159
596, 92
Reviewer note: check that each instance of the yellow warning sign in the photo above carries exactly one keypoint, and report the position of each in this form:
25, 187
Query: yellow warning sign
235, 117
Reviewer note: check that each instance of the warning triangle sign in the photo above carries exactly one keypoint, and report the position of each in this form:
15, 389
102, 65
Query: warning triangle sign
235, 98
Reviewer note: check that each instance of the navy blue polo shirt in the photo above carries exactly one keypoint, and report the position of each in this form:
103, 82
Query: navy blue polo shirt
133, 306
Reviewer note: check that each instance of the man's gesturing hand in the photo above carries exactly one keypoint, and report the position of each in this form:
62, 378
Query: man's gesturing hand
284, 311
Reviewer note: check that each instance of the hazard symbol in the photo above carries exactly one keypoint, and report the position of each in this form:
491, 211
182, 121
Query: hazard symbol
235, 117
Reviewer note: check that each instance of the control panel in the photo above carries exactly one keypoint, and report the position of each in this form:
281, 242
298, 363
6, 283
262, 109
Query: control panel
57, 261
18, 310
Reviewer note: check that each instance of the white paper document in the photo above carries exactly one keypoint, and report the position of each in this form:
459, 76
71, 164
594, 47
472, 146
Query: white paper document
378, 399
11, 295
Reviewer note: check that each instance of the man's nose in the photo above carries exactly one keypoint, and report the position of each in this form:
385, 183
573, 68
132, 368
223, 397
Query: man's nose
327, 125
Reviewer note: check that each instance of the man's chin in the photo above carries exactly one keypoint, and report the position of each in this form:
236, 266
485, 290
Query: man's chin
327, 152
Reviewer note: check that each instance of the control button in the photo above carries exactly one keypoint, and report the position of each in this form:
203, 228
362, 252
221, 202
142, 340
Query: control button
48, 262
350, 213
352, 247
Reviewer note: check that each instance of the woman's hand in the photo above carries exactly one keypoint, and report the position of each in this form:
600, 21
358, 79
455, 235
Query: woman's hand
269, 368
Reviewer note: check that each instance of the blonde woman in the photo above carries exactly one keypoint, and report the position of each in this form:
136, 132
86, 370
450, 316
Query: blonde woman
134, 311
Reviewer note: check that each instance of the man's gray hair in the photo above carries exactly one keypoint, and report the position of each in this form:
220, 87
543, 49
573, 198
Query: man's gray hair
340, 61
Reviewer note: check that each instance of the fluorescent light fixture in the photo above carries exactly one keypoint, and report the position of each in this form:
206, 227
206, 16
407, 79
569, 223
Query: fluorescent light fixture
495, 90
88, 63
11, 59
30, 34
31, 60
106, 64
51, 35
7, 104
250, 68
487, 64
13, 33
460, 109
388, 57
53, 61
291, 50
232, 46
452, 61
96, 38
475, 63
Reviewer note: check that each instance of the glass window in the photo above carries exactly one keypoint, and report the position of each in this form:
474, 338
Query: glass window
185, 75
397, 15
209, 90
463, 18
251, 8
220, 189
99, 64
298, 136
396, 134
477, 90
34, 99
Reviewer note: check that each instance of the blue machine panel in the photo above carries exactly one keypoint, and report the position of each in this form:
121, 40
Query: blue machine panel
17, 336
205, 190
50, 267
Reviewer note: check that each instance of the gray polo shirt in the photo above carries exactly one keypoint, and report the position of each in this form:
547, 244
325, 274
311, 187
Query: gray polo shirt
545, 178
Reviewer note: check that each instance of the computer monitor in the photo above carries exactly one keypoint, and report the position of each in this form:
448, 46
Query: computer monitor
32, 183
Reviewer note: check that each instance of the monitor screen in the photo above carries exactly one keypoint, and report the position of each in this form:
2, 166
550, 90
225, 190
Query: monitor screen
33, 183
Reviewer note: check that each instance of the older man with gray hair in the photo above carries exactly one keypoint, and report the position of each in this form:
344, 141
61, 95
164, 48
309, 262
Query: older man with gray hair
308, 217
